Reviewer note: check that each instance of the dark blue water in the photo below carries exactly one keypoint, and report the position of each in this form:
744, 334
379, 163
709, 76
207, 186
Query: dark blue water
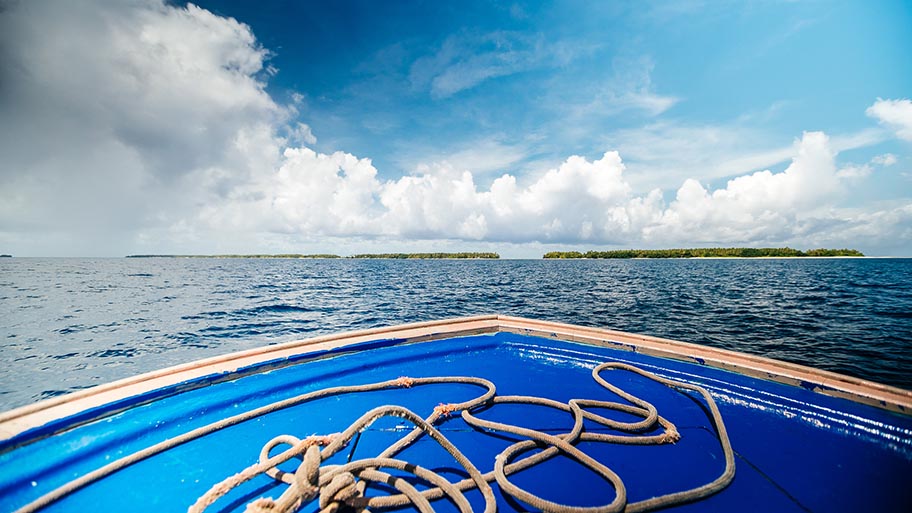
67, 324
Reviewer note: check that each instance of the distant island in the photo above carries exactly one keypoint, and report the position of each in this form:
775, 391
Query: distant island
290, 255
365, 255
428, 255
707, 253
6, 256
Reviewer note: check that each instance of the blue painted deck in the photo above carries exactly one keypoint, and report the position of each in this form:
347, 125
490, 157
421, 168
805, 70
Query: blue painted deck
795, 450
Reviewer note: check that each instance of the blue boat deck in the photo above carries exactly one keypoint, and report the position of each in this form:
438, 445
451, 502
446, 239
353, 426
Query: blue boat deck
795, 450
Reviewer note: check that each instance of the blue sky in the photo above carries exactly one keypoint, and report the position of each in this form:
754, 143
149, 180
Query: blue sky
566, 77
517, 127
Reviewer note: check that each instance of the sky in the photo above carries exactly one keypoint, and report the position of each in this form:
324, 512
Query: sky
144, 126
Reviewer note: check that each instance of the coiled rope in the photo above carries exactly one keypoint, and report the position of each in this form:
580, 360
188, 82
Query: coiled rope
337, 486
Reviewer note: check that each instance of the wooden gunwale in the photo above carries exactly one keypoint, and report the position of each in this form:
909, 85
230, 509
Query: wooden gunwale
821, 381
19, 420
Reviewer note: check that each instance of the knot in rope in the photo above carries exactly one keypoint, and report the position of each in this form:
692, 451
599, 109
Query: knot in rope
671, 436
445, 409
341, 490
404, 382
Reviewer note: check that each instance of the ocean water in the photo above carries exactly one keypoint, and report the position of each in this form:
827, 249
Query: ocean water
67, 324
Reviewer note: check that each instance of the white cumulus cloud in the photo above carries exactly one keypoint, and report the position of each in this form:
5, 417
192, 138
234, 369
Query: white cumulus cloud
108, 108
302, 134
759, 207
579, 202
886, 160
896, 114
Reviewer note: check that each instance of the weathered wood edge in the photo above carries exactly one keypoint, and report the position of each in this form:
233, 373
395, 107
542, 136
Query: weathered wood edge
21, 419
820, 381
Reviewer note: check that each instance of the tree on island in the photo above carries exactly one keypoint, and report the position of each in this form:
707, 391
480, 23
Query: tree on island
404, 256
706, 253
463, 255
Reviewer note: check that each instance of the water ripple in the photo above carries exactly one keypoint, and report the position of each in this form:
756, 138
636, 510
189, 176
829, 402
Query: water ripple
73, 323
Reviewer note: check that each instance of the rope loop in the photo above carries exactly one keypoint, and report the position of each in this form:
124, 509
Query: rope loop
343, 486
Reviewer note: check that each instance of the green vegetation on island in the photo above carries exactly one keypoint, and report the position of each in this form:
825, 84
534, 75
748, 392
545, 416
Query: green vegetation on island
707, 253
365, 255
290, 255
403, 256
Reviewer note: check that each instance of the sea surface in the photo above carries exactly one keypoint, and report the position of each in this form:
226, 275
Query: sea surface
67, 324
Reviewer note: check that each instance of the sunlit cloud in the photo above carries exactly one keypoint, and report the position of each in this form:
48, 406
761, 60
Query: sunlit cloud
896, 114
579, 202
886, 160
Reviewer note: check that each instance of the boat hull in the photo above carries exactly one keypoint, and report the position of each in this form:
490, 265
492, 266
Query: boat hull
802, 440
